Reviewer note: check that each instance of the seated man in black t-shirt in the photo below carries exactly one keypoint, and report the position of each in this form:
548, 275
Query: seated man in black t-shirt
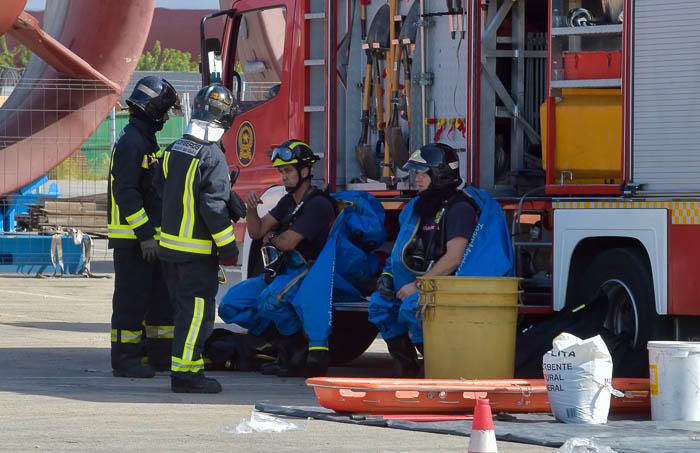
293, 234
435, 229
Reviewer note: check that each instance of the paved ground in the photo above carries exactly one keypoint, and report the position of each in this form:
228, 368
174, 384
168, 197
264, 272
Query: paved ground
57, 392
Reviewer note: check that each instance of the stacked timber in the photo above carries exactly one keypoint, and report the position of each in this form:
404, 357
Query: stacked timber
88, 214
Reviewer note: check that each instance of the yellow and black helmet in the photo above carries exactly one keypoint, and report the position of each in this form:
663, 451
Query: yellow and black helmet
293, 152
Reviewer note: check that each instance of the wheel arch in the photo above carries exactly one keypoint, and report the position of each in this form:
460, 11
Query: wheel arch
582, 234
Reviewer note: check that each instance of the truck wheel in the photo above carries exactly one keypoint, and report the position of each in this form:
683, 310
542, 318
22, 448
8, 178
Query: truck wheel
630, 319
351, 336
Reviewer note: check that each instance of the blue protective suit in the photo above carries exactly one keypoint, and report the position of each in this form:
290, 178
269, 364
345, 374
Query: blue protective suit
489, 253
302, 295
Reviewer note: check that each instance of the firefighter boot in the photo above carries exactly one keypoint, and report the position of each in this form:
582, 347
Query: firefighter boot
404, 354
135, 369
317, 363
126, 361
193, 383
291, 357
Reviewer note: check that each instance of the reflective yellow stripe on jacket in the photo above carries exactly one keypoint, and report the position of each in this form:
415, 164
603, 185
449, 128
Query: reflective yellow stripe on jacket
183, 244
224, 237
166, 159
188, 208
120, 232
138, 218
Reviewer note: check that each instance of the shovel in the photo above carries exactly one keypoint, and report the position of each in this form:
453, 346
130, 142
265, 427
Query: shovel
397, 143
363, 152
407, 38
392, 89
377, 36
363, 18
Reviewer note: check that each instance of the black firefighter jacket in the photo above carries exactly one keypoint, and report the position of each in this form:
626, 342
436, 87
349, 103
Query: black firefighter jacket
133, 204
196, 189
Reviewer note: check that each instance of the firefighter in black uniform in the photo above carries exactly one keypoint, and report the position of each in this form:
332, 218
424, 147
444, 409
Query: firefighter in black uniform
198, 211
140, 294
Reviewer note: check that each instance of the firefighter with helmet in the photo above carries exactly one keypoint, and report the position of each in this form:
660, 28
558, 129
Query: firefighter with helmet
293, 234
435, 228
140, 296
199, 209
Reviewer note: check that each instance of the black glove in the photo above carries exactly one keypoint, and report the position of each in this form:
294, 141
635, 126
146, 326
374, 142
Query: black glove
385, 286
236, 207
149, 250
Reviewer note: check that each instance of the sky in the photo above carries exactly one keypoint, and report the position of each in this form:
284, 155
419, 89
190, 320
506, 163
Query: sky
37, 5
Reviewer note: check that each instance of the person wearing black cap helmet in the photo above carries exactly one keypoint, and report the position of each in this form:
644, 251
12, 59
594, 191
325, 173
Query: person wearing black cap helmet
435, 229
140, 295
199, 209
293, 233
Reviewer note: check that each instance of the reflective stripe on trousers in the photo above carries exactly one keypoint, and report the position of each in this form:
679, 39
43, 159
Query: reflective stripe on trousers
127, 336
160, 332
186, 362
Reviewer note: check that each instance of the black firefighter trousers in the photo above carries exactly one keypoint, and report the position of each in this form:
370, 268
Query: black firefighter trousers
140, 301
192, 286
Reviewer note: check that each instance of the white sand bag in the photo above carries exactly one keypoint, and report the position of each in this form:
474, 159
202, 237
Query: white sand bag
578, 374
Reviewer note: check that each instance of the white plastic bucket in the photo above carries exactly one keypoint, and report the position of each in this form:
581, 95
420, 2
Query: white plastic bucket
674, 380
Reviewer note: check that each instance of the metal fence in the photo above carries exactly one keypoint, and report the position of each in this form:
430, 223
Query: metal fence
55, 218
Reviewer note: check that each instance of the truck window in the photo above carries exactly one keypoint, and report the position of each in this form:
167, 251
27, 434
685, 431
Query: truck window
259, 55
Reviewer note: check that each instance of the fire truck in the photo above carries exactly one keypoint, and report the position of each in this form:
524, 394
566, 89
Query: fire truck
580, 116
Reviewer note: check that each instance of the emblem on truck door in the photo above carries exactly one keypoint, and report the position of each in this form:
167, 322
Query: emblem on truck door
245, 143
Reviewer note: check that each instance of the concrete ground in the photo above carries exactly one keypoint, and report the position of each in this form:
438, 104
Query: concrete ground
57, 392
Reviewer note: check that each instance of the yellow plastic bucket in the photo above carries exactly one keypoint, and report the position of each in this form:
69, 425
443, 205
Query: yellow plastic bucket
469, 326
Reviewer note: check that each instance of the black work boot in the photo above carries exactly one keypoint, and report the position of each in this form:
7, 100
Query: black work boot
193, 383
404, 354
136, 370
294, 361
291, 357
317, 361
127, 360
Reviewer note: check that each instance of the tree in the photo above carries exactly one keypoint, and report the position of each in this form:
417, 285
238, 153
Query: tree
159, 59
17, 57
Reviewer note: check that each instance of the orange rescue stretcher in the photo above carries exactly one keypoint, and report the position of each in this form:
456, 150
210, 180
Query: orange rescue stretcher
423, 396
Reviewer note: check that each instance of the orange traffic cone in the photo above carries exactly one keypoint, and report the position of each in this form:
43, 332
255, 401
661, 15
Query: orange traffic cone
483, 436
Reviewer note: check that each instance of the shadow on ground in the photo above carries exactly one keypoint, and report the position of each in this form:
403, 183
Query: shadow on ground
84, 374
93, 327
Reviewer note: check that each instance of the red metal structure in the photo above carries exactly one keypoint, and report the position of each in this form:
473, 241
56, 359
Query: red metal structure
86, 53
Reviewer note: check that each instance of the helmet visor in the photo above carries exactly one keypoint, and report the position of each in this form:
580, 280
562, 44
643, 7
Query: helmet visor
176, 109
282, 152
282, 155
415, 167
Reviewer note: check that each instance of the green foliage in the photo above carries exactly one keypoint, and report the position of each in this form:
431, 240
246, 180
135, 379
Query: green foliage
159, 59
17, 57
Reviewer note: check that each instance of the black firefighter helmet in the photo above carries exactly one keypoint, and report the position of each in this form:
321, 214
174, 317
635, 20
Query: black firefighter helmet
439, 161
154, 96
216, 105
